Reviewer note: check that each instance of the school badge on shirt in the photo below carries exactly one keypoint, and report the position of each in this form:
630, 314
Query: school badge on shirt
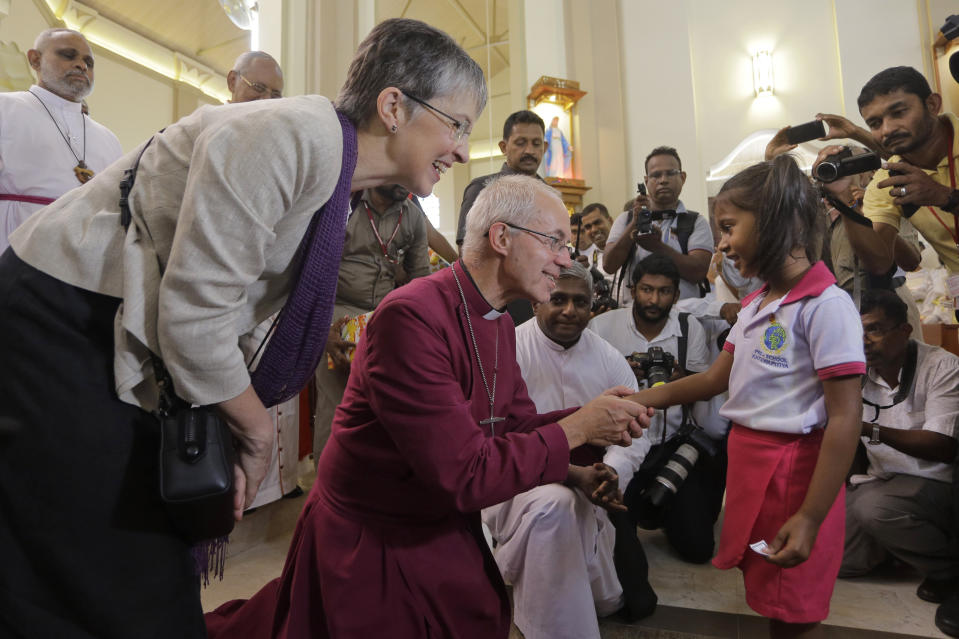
774, 340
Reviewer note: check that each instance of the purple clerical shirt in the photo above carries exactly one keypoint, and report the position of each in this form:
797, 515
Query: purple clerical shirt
389, 542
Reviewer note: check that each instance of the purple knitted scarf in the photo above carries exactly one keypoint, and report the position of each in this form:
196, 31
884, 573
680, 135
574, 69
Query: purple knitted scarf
293, 352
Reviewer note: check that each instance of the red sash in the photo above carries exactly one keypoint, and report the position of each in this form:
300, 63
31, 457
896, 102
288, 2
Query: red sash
29, 199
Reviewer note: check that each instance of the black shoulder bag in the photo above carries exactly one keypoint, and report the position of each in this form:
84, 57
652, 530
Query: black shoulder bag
196, 445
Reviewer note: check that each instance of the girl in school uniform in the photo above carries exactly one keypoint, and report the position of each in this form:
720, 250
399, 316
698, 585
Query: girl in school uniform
792, 365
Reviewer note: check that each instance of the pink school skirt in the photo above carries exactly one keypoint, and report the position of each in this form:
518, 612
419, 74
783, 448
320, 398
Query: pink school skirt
767, 480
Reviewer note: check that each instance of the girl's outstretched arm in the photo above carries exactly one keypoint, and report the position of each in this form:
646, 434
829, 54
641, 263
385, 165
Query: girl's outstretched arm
689, 389
795, 539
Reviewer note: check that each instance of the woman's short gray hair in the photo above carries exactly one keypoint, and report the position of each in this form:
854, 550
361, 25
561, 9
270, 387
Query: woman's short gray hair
511, 198
414, 57
576, 270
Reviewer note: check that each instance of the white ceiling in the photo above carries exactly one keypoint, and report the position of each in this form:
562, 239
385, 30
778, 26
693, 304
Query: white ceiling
201, 30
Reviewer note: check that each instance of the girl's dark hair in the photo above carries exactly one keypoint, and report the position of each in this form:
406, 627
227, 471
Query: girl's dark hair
787, 209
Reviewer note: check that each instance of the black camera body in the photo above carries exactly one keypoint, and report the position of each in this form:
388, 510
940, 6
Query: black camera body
602, 292
645, 219
844, 163
908, 210
656, 363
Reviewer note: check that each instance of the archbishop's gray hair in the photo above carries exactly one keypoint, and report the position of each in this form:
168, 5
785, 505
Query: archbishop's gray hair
414, 57
511, 198
576, 270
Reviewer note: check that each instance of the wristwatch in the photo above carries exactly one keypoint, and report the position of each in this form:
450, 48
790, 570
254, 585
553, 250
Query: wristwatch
875, 435
952, 203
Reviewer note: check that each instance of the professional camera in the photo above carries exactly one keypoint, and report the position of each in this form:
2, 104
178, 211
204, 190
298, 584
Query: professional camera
656, 363
602, 292
694, 443
844, 163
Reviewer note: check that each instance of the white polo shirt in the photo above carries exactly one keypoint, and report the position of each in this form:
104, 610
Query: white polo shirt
619, 329
782, 352
932, 405
558, 378
701, 238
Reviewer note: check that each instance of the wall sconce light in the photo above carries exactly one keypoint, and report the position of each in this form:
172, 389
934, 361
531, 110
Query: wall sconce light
763, 73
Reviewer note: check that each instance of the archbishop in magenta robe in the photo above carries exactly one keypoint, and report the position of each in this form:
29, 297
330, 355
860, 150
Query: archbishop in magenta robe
389, 543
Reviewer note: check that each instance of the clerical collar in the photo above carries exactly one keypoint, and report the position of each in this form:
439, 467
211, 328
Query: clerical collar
492, 313
54, 100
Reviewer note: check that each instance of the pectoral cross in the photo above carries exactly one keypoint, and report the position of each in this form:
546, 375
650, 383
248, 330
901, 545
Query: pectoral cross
492, 420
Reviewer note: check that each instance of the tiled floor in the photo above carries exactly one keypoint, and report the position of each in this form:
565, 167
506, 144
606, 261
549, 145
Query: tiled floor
694, 601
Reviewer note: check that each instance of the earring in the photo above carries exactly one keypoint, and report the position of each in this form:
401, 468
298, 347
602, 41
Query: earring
393, 129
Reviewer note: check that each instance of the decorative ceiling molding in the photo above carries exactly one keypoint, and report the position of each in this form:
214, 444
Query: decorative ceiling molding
138, 49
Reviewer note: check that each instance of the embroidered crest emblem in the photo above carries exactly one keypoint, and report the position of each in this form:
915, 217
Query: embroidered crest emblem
774, 337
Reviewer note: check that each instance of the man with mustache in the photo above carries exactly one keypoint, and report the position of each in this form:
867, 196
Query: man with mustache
523, 145
921, 176
684, 236
47, 144
653, 321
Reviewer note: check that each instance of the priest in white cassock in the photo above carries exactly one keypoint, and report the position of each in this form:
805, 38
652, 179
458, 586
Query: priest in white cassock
47, 145
554, 543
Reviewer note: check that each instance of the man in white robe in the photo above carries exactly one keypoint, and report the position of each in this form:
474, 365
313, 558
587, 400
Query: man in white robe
47, 145
552, 543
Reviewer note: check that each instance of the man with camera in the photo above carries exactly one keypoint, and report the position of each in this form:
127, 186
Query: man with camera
596, 224
663, 344
552, 534
660, 223
903, 506
919, 180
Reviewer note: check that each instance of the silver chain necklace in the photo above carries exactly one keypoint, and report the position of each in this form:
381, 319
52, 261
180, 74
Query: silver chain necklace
490, 395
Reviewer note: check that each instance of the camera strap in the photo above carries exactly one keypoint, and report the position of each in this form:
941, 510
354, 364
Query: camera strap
906, 381
848, 211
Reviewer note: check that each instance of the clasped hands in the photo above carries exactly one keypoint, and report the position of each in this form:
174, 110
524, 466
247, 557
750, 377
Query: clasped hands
600, 483
608, 419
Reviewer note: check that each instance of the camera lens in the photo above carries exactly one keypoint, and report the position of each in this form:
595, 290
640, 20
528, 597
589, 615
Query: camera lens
673, 474
827, 172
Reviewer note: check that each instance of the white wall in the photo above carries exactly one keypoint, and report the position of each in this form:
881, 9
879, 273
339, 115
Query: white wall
687, 69
863, 55
658, 94
129, 100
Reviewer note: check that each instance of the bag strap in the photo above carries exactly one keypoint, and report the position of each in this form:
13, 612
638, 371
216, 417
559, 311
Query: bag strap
682, 340
126, 185
681, 343
168, 400
685, 224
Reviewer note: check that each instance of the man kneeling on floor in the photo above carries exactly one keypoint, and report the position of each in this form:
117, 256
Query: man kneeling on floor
552, 544
903, 506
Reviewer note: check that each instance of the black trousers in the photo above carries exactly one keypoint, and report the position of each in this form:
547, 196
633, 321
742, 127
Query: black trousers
86, 549
689, 516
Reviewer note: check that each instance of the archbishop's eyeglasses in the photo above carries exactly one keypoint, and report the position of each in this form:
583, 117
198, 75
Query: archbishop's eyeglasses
461, 129
555, 244
261, 88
